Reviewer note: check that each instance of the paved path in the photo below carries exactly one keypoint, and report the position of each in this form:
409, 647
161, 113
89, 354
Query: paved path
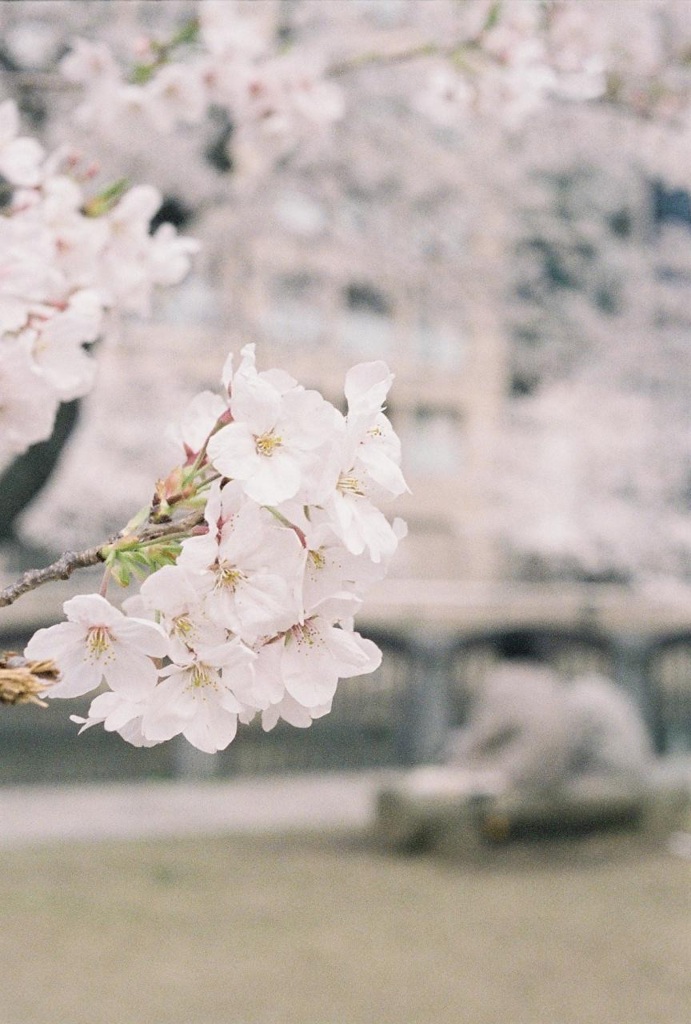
30, 815
40, 814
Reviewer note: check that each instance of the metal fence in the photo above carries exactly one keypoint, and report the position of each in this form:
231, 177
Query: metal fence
398, 715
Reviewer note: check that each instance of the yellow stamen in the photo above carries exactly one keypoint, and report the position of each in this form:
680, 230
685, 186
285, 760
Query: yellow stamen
182, 626
307, 634
203, 677
317, 559
98, 641
200, 676
267, 444
350, 485
228, 577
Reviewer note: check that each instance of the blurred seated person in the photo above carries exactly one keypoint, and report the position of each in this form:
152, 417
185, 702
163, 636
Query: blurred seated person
531, 732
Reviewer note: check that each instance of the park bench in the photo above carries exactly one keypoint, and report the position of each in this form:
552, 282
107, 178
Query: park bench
442, 809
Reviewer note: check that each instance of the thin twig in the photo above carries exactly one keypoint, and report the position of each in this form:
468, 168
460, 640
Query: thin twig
73, 560
60, 570
379, 59
160, 531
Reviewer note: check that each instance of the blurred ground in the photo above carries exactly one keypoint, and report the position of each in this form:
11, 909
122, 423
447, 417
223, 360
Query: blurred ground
325, 928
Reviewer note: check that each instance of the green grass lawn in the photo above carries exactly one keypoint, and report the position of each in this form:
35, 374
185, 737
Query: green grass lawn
330, 930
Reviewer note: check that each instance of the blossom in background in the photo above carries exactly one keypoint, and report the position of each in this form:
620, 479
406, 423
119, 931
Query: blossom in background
27, 402
518, 55
273, 100
66, 262
57, 344
21, 157
446, 97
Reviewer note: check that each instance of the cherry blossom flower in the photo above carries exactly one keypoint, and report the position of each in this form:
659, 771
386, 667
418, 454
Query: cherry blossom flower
359, 524
117, 713
446, 98
98, 642
364, 466
167, 255
295, 714
315, 654
176, 95
175, 595
229, 33
247, 575
276, 435
29, 278
331, 571
89, 61
20, 157
197, 699
371, 441
57, 348
198, 420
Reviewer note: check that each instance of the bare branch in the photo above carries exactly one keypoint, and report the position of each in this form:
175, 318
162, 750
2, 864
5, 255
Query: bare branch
160, 531
60, 570
384, 59
72, 560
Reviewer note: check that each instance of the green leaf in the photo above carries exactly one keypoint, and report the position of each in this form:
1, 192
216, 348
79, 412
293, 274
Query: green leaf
137, 520
492, 16
143, 73
106, 200
188, 33
137, 561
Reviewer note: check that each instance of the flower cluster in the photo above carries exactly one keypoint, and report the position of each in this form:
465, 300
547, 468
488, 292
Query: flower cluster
254, 612
226, 58
65, 261
511, 56
508, 63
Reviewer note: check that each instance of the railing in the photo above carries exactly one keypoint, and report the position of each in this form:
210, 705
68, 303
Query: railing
399, 715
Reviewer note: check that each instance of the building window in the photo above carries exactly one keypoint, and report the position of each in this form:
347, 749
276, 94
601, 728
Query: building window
432, 442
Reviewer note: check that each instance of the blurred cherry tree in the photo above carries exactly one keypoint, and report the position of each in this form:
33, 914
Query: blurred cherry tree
499, 167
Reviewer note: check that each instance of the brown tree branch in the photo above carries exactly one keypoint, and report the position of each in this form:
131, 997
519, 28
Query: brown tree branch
377, 59
148, 533
152, 532
60, 570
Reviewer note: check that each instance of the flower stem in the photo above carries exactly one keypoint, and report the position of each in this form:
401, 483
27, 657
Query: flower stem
286, 522
104, 583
